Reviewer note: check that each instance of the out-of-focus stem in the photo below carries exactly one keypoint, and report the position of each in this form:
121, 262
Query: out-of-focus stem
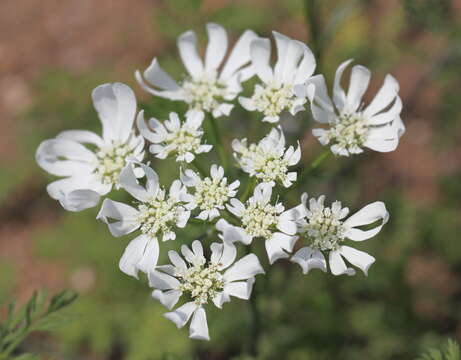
199, 168
249, 190
313, 17
218, 141
255, 326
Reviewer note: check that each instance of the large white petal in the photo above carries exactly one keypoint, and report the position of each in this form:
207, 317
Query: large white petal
360, 79
79, 200
278, 246
62, 157
260, 52
129, 182
162, 281
182, 314
223, 254
167, 298
134, 256
149, 259
337, 264
198, 326
217, 46
116, 106
239, 56
245, 268
81, 136
289, 53
240, 289
367, 215
386, 94
309, 258
156, 76
339, 96
187, 45
306, 67
358, 258
125, 216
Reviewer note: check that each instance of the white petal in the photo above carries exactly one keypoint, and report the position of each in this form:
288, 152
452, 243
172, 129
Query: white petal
187, 45
337, 264
63, 157
240, 289
386, 94
81, 136
156, 76
223, 254
176, 260
167, 298
239, 56
125, 216
116, 106
79, 200
129, 182
358, 258
133, 254
289, 53
309, 259
260, 51
182, 314
198, 326
149, 258
339, 96
278, 246
217, 46
162, 281
306, 67
367, 215
360, 79
245, 268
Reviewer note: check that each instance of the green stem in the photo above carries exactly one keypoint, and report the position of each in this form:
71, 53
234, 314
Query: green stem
313, 23
218, 141
255, 317
249, 190
199, 168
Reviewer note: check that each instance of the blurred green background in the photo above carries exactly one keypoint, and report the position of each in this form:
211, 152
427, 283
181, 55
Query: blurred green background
53, 53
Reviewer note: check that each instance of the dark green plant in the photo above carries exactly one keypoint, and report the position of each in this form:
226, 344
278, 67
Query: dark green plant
450, 351
37, 314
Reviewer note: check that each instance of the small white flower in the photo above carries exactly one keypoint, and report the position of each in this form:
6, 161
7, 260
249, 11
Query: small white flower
87, 173
206, 88
351, 125
260, 219
268, 160
211, 193
201, 281
325, 230
283, 88
182, 140
157, 214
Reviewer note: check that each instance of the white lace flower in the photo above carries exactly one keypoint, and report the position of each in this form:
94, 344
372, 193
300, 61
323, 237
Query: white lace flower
351, 125
201, 281
325, 229
206, 88
268, 160
260, 219
174, 138
283, 88
157, 215
211, 193
88, 173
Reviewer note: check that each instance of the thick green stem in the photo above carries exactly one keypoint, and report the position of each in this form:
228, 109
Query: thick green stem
218, 141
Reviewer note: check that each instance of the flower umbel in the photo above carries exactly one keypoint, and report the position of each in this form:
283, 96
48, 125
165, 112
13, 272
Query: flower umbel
211, 193
268, 160
325, 229
182, 140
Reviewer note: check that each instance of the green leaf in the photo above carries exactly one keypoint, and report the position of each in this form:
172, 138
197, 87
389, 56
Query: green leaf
450, 351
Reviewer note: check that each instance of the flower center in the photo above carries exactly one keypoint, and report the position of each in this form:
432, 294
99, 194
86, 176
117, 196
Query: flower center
259, 220
273, 99
211, 193
159, 215
184, 140
266, 165
111, 161
201, 282
205, 93
349, 131
324, 228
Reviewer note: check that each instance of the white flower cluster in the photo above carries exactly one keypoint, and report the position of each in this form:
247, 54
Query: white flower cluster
310, 234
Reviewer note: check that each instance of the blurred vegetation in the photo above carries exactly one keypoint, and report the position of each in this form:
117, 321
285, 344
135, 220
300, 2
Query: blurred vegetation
410, 301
